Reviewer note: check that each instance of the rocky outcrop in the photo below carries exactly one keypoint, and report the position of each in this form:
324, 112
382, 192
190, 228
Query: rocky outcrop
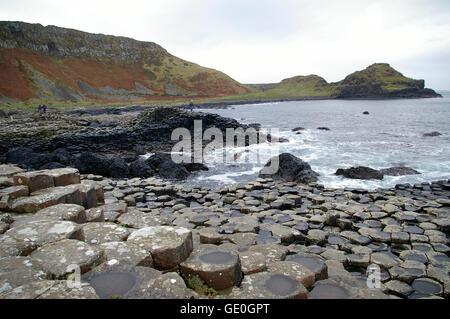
431, 134
112, 151
289, 168
362, 172
399, 171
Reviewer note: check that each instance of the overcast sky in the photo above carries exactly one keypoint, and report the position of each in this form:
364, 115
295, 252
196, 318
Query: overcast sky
261, 41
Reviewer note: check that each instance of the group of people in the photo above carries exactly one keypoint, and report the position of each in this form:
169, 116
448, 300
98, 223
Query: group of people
42, 109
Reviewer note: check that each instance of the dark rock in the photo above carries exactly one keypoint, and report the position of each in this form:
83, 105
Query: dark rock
360, 172
432, 134
290, 168
26, 158
399, 171
298, 129
90, 163
140, 168
192, 167
52, 165
366, 113
118, 168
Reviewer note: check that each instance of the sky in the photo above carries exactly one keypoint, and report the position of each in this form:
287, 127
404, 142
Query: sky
265, 41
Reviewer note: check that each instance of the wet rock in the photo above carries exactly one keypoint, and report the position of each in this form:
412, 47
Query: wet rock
127, 253
167, 286
345, 287
384, 259
95, 215
166, 167
219, 269
360, 172
31, 290
427, 286
10, 170
414, 255
17, 271
329, 289
90, 163
358, 260
316, 237
431, 134
294, 270
140, 168
10, 193
283, 233
272, 252
290, 169
61, 291
313, 262
115, 279
56, 257
36, 234
210, 236
243, 240
400, 237
169, 246
137, 219
356, 238
333, 254
252, 262
99, 233
35, 180
64, 176
68, 212
268, 285
47, 197
398, 171
399, 288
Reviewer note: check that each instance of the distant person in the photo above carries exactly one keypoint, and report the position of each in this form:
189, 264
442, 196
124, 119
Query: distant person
40, 109
44, 108
191, 106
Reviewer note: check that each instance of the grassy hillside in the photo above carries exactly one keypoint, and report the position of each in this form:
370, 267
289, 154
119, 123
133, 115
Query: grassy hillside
54, 64
377, 80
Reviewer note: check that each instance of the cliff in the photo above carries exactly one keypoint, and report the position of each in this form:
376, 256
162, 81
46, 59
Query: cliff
40, 63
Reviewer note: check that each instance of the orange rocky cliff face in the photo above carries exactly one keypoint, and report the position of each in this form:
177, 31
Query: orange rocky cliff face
56, 64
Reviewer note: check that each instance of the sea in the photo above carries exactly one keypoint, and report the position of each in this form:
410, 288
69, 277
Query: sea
392, 134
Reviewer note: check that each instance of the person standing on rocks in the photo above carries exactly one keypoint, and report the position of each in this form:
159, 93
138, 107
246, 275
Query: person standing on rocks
40, 109
191, 105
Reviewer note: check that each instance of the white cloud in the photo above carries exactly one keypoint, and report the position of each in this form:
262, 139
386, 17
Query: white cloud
267, 40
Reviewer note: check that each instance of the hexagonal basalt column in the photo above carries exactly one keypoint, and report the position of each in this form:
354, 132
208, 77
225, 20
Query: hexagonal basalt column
169, 246
269, 285
219, 268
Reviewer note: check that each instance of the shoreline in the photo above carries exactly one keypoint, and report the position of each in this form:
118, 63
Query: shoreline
105, 109
324, 240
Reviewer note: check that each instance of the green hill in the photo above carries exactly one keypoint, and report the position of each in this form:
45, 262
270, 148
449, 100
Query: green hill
379, 80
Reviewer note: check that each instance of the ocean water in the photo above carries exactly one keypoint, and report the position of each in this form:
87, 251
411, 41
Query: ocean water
392, 135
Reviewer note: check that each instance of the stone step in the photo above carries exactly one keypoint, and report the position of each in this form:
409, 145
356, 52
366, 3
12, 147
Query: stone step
87, 194
10, 193
47, 197
9, 170
37, 180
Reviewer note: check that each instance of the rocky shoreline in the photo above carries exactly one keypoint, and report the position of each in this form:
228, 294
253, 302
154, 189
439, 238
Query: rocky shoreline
280, 236
262, 239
